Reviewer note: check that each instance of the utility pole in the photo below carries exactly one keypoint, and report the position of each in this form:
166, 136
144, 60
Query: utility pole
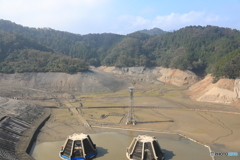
131, 117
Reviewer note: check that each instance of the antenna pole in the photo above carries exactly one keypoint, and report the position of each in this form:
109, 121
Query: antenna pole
131, 117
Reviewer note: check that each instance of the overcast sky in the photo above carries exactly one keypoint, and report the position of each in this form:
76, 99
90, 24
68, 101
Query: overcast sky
120, 16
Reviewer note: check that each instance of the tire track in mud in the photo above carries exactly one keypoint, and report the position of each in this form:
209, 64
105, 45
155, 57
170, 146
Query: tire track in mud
174, 120
209, 120
157, 112
74, 111
77, 112
221, 124
162, 91
231, 131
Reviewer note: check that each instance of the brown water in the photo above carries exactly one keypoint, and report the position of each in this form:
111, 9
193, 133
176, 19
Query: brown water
112, 146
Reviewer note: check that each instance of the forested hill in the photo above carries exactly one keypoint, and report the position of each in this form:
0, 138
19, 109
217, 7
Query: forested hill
22, 54
153, 31
89, 48
212, 49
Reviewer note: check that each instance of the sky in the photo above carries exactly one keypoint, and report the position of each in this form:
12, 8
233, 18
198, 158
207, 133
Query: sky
120, 16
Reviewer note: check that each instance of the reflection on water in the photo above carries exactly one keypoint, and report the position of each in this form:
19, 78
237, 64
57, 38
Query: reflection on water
112, 146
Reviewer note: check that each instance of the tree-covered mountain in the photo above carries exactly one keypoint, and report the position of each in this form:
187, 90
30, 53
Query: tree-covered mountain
209, 49
19, 53
194, 48
90, 48
197, 48
153, 31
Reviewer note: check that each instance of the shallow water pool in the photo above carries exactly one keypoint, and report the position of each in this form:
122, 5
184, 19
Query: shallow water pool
112, 146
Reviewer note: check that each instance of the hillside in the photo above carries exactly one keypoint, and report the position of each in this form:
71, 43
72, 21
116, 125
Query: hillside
92, 81
19, 53
154, 75
90, 48
224, 91
209, 49
152, 32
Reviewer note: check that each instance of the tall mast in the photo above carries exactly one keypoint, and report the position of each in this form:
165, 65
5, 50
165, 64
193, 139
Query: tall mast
131, 117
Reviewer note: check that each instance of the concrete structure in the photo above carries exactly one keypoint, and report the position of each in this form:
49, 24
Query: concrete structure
78, 146
11, 130
144, 147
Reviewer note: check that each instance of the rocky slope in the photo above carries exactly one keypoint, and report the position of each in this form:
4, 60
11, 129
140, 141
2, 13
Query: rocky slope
156, 75
224, 91
112, 79
23, 110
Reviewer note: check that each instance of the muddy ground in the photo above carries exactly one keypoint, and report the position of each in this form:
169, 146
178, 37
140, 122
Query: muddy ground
68, 113
218, 130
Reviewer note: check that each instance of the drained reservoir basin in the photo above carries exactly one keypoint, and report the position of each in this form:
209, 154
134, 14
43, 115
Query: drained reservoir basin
112, 145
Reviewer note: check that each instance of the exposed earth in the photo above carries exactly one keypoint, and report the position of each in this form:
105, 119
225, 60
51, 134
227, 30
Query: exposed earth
91, 101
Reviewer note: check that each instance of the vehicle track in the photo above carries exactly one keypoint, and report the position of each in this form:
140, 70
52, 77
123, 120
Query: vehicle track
77, 112
221, 124
231, 131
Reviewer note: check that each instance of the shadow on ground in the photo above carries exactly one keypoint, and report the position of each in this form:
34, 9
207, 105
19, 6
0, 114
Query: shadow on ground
101, 151
168, 154
155, 121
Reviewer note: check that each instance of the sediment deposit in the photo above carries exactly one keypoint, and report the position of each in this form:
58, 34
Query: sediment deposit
224, 91
71, 96
91, 81
156, 75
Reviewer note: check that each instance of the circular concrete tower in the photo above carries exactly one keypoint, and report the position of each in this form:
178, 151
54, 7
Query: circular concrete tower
144, 147
78, 146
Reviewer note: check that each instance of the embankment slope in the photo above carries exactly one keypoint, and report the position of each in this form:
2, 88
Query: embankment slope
85, 82
156, 75
224, 91
111, 79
